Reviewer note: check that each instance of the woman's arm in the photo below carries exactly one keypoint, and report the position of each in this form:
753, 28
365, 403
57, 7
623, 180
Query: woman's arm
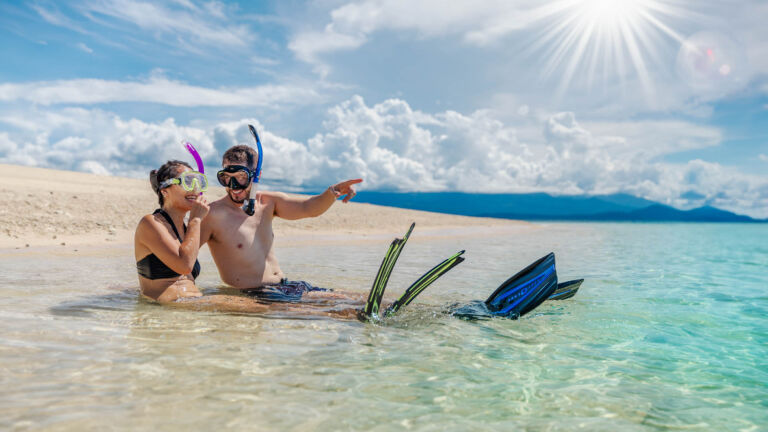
156, 237
178, 257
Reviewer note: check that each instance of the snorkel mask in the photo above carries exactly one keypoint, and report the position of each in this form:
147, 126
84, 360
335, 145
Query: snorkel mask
189, 181
235, 177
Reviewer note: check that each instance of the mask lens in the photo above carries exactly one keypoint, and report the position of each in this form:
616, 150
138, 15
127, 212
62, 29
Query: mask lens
234, 177
191, 180
241, 178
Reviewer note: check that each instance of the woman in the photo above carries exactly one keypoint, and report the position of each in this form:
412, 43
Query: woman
166, 257
167, 262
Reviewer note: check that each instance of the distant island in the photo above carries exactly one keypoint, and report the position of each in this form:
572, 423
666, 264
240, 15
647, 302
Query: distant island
542, 206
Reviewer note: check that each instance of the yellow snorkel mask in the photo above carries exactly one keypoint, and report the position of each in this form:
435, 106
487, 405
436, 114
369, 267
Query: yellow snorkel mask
189, 181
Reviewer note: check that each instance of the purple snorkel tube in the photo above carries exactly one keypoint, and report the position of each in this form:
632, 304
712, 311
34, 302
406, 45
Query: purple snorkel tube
250, 207
196, 155
198, 160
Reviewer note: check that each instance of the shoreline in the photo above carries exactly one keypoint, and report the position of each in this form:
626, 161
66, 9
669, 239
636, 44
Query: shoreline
67, 210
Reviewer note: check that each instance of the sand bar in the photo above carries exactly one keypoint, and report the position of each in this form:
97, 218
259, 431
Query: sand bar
45, 207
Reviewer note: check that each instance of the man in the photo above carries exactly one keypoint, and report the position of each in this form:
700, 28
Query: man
241, 245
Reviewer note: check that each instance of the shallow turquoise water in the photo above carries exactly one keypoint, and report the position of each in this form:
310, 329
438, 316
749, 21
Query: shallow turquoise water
668, 332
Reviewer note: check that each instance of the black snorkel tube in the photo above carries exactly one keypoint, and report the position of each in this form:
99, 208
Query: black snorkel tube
250, 207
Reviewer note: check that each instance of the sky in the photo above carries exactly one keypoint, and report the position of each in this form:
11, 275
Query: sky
662, 99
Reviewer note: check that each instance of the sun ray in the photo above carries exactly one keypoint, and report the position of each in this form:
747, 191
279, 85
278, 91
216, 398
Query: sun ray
621, 38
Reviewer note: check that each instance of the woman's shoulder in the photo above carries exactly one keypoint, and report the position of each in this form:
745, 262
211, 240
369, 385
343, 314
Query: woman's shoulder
149, 222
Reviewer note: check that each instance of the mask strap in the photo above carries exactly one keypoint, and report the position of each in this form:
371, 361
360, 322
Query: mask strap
250, 161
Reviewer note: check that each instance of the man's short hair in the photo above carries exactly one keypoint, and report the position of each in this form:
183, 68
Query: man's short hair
241, 155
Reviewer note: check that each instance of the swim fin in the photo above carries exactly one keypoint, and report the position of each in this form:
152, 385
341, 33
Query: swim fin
526, 290
423, 282
373, 304
566, 290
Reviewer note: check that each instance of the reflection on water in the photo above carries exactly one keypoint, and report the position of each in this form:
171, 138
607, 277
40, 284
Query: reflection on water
667, 332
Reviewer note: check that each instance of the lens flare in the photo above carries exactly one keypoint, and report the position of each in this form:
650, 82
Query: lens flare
711, 61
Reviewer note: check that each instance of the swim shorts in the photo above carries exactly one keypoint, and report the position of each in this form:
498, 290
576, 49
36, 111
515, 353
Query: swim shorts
285, 291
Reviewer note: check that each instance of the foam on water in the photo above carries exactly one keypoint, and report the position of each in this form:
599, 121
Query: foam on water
667, 332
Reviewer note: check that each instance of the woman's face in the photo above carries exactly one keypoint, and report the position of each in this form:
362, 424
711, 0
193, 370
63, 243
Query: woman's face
176, 197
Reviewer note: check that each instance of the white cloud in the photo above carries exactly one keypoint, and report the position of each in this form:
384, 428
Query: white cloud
264, 61
208, 25
763, 157
6, 145
93, 167
308, 46
395, 147
55, 17
628, 69
85, 48
156, 89
351, 23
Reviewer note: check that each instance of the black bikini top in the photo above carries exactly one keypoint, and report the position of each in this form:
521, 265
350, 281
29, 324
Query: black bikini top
151, 267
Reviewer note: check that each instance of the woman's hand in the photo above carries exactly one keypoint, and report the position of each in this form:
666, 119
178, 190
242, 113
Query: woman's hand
199, 208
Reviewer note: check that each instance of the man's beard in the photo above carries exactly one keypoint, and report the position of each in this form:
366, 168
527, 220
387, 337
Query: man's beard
229, 194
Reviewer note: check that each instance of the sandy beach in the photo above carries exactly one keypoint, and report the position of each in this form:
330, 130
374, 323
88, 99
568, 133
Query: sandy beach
44, 207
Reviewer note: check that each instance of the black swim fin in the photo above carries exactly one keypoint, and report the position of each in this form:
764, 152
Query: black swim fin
526, 290
373, 304
566, 290
423, 282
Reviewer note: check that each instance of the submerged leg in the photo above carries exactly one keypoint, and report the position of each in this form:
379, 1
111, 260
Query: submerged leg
240, 304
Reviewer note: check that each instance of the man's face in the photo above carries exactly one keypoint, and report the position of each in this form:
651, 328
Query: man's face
241, 177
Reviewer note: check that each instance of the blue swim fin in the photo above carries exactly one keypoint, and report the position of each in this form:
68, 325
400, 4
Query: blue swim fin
566, 290
526, 290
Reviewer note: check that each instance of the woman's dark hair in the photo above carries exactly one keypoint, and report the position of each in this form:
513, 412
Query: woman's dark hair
169, 170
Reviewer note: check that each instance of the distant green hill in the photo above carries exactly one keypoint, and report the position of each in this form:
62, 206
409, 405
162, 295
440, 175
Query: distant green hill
541, 206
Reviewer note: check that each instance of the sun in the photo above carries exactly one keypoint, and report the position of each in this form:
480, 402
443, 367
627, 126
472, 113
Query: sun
610, 13
593, 39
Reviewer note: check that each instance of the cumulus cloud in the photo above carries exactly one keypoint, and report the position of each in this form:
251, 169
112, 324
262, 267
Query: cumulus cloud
6, 145
97, 141
394, 147
156, 89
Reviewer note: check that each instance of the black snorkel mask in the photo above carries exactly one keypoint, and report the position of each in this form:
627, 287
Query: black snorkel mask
239, 177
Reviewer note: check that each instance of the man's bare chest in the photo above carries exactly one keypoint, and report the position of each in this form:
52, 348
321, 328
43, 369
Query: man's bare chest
244, 232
